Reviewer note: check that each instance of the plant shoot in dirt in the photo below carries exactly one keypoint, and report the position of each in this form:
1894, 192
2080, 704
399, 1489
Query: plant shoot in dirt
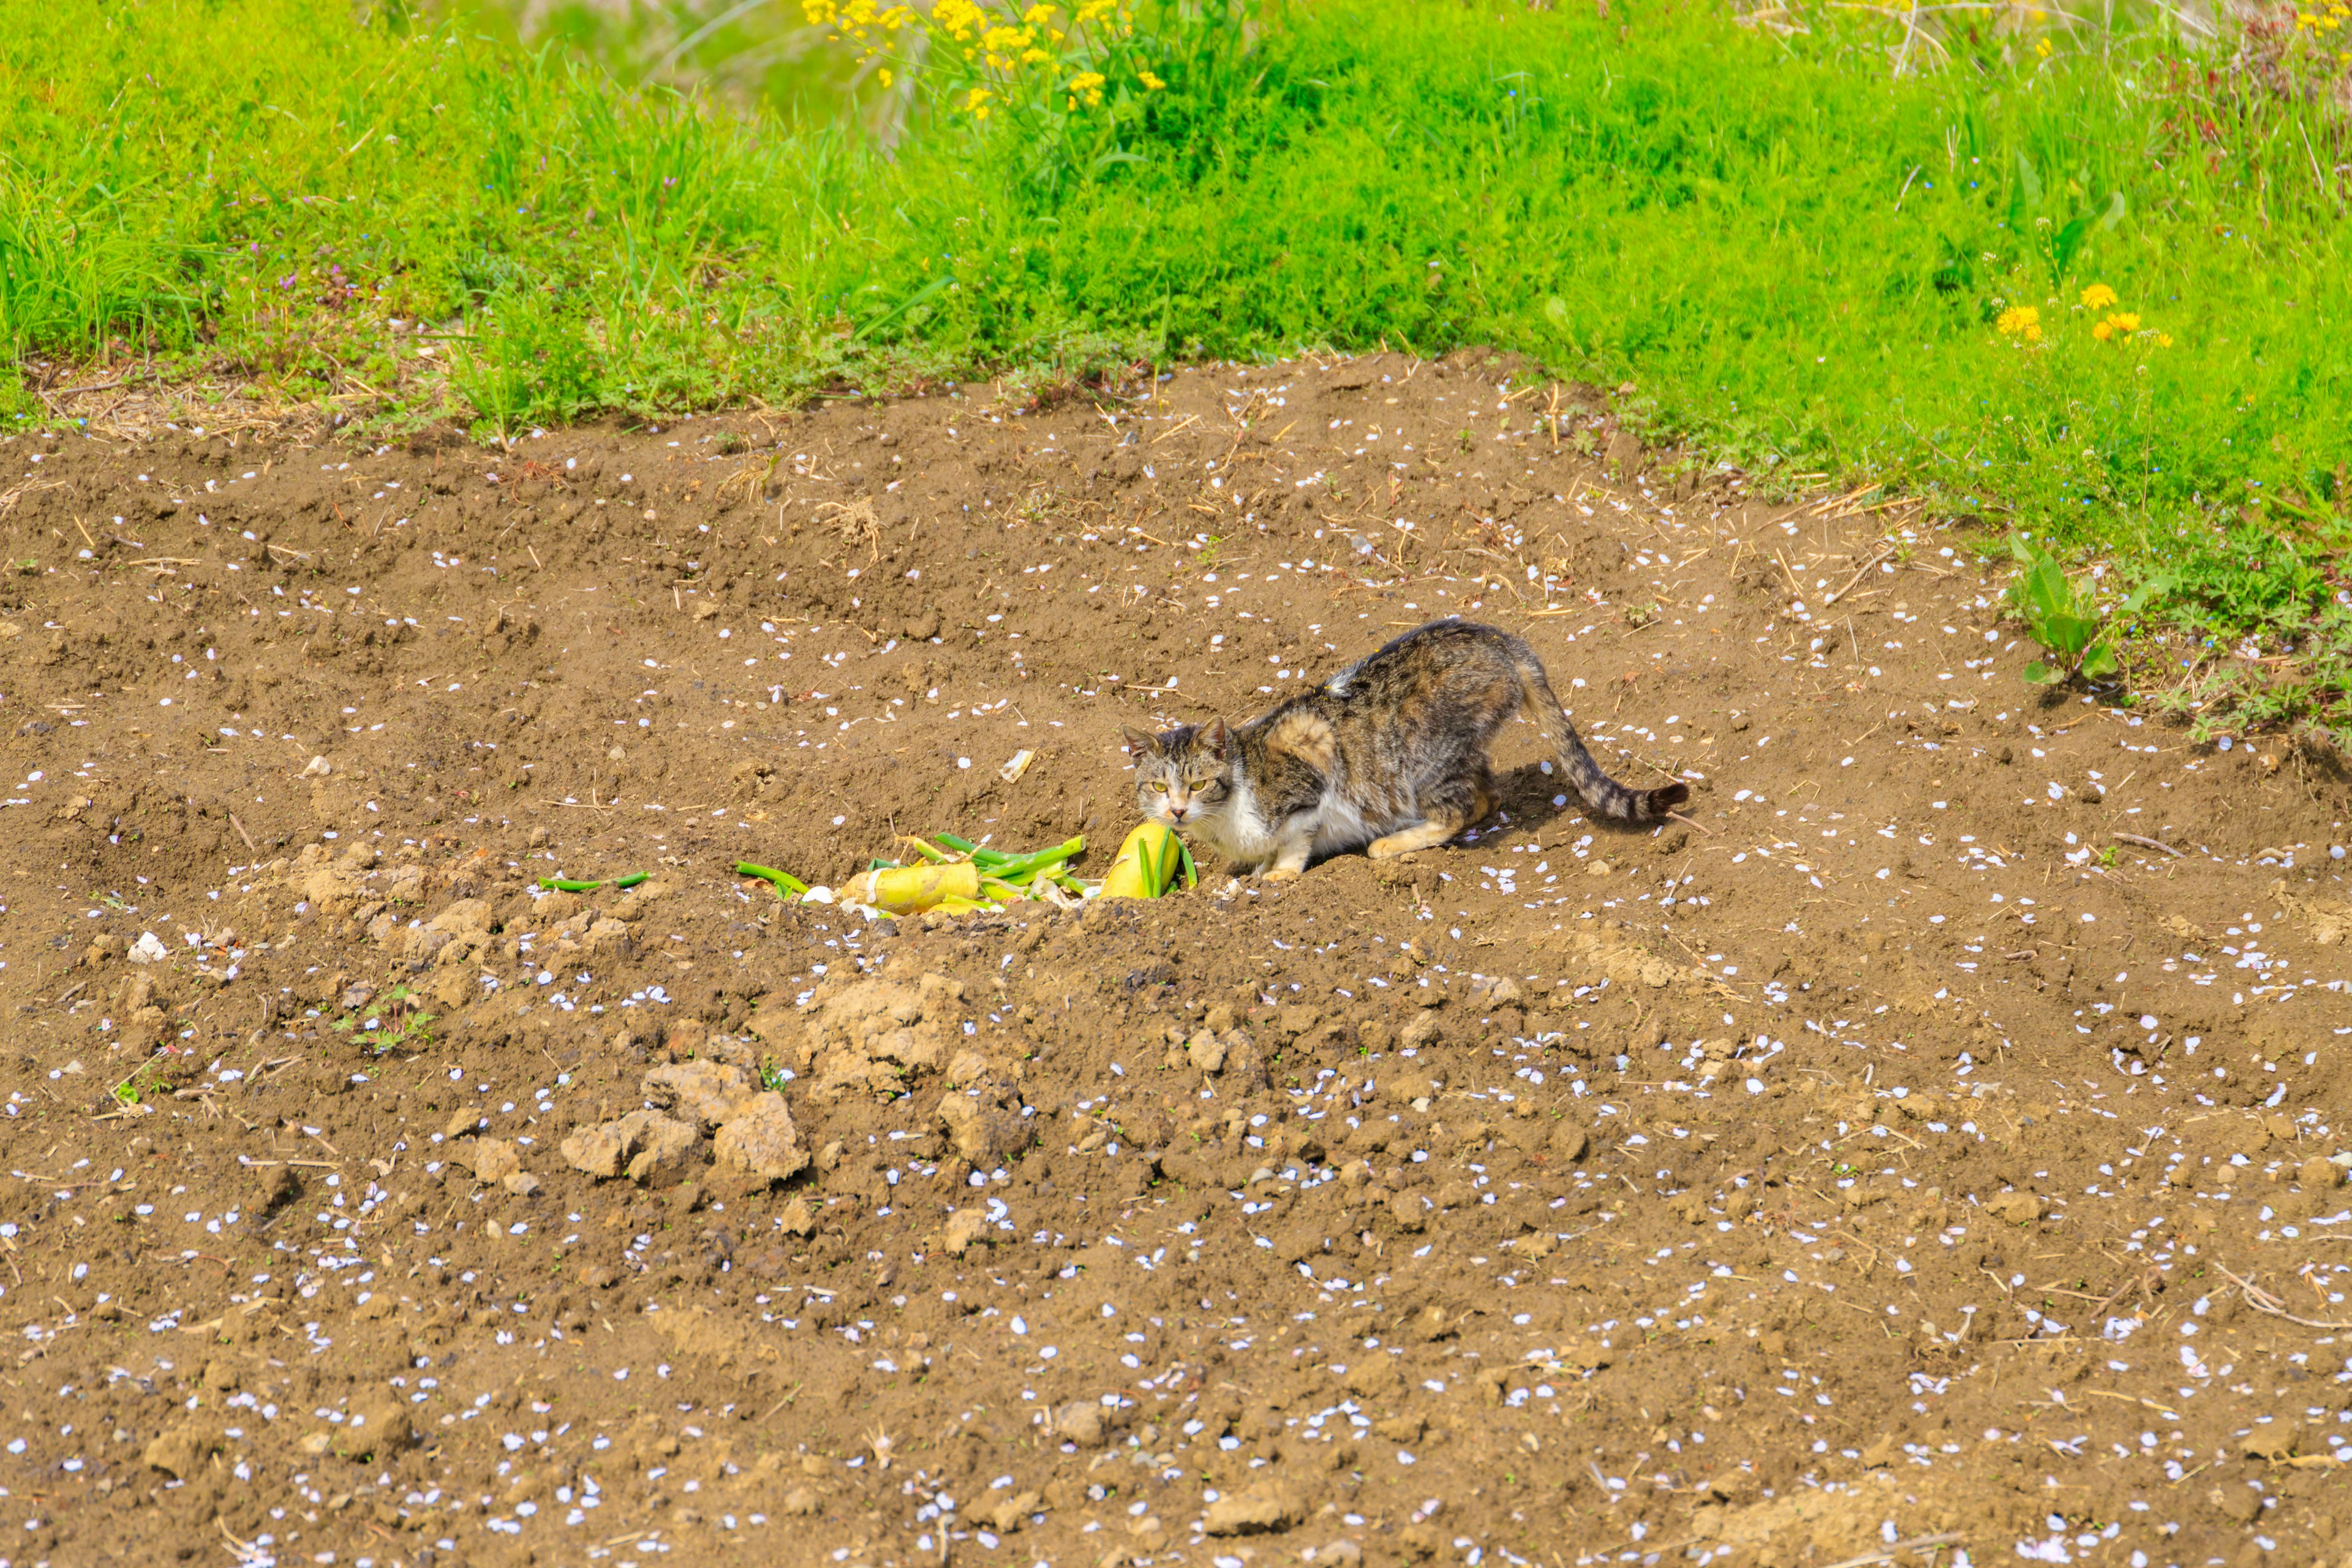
392, 1021
2063, 617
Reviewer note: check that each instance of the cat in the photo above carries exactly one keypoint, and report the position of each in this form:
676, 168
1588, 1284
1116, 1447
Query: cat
1388, 755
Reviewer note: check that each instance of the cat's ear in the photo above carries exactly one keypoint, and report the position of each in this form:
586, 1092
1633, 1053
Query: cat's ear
1213, 738
1139, 744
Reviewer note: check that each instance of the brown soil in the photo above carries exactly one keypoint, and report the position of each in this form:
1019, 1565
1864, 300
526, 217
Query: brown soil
1876, 1158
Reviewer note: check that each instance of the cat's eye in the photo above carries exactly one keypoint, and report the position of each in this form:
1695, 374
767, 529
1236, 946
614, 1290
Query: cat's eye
1159, 786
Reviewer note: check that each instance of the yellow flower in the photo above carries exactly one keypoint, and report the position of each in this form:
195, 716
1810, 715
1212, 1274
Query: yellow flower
2098, 297
1037, 15
883, 76
2126, 321
2164, 339
2041, 47
1151, 83
2020, 321
976, 102
2103, 330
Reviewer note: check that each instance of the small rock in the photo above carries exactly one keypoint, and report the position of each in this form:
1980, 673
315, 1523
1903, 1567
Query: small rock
2319, 1174
521, 1183
1264, 1509
798, 1218
149, 949
799, 1504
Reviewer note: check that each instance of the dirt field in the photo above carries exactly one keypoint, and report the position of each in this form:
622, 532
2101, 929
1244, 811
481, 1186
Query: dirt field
1910, 1155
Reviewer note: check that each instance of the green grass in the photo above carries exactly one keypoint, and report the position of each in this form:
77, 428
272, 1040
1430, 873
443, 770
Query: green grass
1797, 260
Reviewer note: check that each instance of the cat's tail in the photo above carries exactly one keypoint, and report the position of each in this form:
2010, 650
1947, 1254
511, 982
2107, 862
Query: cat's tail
1602, 795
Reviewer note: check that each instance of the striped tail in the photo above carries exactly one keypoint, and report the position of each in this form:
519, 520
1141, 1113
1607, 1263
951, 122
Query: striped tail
1601, 794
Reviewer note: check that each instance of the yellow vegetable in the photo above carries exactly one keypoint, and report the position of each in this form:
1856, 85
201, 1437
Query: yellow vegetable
1148, 864
909, 890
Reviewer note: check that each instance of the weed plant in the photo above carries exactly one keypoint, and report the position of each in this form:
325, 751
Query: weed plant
2097, 296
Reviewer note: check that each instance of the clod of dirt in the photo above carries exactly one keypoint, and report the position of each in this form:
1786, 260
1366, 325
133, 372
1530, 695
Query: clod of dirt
2274, 1441
869, 1036
181, 1451
651, 1147
2016, 1208
377, 1428
1264, 1509
491, 1159
984, 1131
710, 1093
1569, 1141
760, 1140
966, 1228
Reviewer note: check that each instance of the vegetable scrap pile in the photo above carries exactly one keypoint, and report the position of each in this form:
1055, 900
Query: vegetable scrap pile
952, 876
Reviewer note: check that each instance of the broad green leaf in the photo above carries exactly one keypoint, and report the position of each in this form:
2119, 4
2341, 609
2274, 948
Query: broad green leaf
2100, 660
2040, 674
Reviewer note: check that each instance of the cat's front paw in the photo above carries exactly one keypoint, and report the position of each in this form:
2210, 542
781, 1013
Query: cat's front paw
1279, 874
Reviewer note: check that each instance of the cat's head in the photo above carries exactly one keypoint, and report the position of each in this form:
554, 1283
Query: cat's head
1183, 776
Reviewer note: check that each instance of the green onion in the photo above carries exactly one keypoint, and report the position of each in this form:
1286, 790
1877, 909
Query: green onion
1024, 865
784, 881
567, 885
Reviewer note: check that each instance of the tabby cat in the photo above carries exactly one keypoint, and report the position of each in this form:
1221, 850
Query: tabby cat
1390, 753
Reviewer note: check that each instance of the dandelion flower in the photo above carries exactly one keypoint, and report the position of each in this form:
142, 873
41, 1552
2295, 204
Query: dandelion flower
2020, 321
2164, 339
2098, 297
